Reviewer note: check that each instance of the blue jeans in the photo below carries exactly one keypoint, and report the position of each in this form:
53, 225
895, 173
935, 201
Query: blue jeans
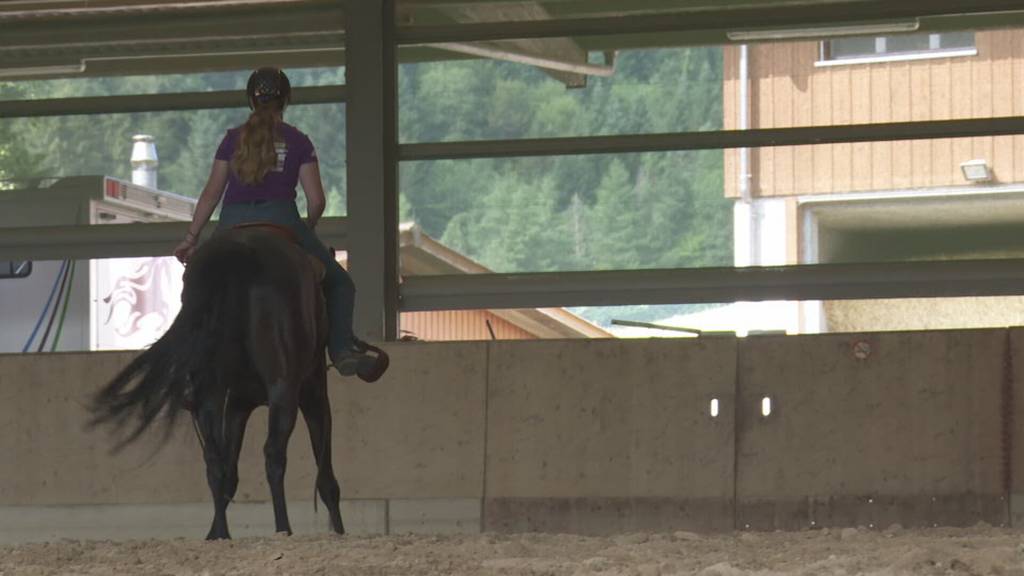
339, 290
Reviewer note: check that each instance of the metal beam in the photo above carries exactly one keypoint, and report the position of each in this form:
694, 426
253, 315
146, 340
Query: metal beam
713, 140
558, 57
600, 288
121, 241
13, 60
714, 285
215, 30
239, 58
737, 18
540, 61
38, 10
158, 102
227, 21
372, 122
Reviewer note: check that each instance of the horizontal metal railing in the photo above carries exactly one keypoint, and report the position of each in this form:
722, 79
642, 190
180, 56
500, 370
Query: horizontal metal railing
121, 104
712, 139
120, 240
715, 285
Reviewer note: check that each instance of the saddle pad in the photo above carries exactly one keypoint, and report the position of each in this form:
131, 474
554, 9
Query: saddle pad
282, 231
319, 270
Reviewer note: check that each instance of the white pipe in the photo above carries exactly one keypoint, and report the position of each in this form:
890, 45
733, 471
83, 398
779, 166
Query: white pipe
749, 209
520, 58
744, 121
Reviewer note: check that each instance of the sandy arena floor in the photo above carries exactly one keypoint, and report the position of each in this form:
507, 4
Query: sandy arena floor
974, 551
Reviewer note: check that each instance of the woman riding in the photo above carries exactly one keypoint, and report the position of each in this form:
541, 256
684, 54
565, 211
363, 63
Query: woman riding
255, 170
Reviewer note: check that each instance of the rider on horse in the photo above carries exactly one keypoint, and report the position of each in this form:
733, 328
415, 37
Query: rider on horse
255, 170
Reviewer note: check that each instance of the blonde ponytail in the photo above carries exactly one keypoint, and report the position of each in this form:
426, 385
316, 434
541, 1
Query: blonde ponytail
256, 154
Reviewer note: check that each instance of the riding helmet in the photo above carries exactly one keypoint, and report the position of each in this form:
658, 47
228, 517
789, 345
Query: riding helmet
266, 84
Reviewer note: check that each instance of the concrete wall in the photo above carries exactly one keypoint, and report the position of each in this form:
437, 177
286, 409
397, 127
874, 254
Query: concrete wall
872, 430
610, 435
578, 436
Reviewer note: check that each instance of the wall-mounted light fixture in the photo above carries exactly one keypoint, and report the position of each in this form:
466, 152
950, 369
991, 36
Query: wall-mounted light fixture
871, 29
30, 71
976, 171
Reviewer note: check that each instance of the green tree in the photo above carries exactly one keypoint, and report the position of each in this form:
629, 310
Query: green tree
186, 141
16, 158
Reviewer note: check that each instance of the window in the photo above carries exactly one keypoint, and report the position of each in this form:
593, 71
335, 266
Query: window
905, 46
15, 269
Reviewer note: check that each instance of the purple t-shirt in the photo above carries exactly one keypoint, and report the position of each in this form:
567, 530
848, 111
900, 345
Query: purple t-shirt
293, 150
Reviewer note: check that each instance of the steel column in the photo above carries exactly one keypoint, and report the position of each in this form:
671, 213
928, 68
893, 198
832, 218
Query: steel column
372, 135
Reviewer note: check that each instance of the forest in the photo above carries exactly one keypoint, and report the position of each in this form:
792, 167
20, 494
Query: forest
656, 210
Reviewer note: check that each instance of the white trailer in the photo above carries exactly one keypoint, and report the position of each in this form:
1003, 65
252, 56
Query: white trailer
110, 304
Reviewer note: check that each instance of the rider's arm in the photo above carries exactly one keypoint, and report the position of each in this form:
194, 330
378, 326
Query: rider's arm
309, 176
208, 200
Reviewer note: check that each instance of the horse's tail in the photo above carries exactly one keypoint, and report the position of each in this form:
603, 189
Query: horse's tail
185, 361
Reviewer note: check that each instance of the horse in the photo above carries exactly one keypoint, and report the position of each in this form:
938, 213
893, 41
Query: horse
252, 331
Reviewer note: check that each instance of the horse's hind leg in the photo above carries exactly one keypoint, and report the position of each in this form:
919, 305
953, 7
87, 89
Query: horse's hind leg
209, 420
237, 414
316, 409
283, 413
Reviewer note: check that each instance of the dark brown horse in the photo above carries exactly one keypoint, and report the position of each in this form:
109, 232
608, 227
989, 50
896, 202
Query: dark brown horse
251, 332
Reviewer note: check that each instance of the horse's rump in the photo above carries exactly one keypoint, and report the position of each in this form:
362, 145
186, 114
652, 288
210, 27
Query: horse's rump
252, 312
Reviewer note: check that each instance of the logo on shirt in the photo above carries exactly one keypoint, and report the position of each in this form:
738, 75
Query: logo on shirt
281, 149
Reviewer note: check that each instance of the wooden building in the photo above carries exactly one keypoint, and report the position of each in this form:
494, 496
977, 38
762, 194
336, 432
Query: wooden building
422, 255
880, 201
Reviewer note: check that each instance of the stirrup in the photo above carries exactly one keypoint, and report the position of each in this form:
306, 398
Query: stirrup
379, 367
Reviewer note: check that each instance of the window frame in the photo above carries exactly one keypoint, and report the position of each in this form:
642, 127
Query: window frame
934, 51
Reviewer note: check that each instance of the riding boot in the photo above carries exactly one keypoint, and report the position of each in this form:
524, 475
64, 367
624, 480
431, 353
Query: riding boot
362, 359
350, 362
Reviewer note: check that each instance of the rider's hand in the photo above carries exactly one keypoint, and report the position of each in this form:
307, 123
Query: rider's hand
184, 250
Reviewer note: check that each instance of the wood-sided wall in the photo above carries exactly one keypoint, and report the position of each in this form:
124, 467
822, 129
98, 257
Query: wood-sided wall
448, 325
787, 89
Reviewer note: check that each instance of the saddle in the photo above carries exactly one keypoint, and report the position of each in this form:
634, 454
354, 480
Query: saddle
284, 232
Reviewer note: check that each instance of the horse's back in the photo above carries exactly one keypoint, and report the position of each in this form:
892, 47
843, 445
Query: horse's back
286, 317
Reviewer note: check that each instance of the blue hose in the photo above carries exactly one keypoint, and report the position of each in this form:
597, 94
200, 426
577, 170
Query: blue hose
56, 282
